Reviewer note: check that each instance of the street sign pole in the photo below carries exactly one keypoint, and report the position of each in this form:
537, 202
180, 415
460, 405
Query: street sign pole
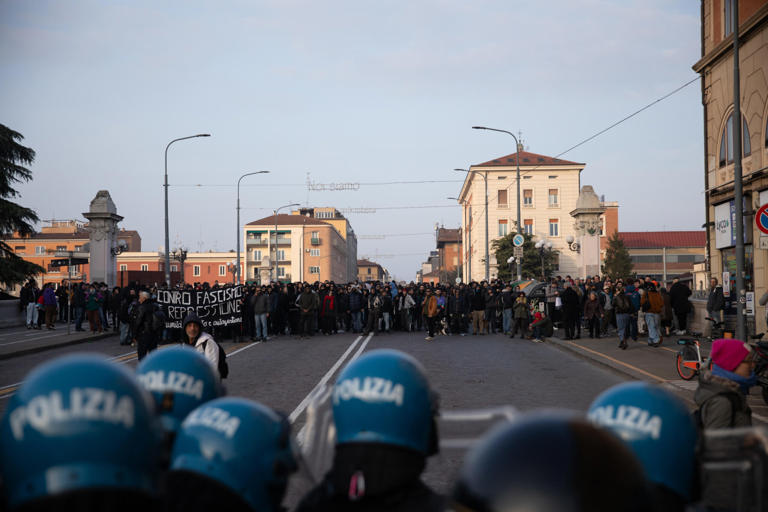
69, 293
738, 190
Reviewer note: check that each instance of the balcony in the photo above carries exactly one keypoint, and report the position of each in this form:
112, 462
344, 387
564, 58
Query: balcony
263, 242
315, 241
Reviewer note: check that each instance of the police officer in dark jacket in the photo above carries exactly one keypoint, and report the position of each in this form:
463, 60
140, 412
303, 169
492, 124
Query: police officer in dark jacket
383, 440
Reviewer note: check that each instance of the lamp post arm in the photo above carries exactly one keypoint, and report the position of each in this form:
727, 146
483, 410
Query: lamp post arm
165, 185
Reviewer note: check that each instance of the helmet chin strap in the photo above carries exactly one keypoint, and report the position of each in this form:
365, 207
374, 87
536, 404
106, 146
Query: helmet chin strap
356, 486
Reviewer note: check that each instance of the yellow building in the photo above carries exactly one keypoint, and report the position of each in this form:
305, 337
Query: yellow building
305, 247
549, 189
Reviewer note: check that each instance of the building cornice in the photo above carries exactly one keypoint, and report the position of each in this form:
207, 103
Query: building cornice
524, 169
725, 47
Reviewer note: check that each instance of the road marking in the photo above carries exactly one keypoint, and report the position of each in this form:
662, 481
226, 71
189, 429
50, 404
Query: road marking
27, 341
316, 389
307, 399
362, 347
15, 333
243, 348
635, 368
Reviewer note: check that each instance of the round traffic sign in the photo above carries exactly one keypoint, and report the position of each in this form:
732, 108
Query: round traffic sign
761, 219
518, 240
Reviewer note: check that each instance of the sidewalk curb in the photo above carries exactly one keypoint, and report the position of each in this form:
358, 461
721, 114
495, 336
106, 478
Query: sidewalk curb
562, 345
43, 348
683, 393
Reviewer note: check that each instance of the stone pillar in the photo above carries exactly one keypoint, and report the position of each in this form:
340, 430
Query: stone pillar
586, 218
103, 219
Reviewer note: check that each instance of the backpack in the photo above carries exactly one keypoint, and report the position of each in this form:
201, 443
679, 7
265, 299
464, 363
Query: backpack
158, 319
223, 366
734, 405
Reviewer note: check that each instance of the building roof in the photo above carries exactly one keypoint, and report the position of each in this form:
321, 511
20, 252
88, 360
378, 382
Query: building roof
449, 235
284, 219
526, 158
367, 263
659, 239
80, 234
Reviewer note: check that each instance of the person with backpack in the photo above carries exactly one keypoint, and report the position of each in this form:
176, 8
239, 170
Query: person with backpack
204, 343
593, 314
722, 392
623, 310
520, 314
144, 334
652, 304
93, 302
127, 302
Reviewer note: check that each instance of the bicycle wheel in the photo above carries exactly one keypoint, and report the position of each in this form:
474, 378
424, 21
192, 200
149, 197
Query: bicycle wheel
684, 361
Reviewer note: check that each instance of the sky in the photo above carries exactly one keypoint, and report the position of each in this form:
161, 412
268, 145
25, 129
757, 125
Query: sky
347, 92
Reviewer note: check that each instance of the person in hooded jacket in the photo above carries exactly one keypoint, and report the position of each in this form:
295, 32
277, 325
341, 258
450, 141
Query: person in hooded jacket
593, 313
722, 392
678, 295
570, 310
200, 340
521, 316
355, 309
328, 312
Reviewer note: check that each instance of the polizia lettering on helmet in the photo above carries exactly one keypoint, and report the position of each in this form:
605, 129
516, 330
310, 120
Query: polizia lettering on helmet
85, 404
214, 418
371, 389
177, 382
630, 422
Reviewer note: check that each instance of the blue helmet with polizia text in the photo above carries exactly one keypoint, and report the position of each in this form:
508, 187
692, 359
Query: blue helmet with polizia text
384, 397
657, 426
550, 461
78, 423
180, 380
241, 446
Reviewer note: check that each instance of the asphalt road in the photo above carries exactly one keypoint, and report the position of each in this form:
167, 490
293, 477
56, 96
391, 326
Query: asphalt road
468, 372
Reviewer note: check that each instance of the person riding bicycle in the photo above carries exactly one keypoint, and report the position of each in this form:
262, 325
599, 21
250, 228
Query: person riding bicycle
722, 392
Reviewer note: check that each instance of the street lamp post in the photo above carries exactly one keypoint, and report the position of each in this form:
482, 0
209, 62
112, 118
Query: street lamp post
487, 251
233, 269
460, 266
180, 254
543, 245
284, 206
167, 242
238, 218
517, 162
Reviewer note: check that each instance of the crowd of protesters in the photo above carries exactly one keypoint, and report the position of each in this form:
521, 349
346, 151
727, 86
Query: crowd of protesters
598, 306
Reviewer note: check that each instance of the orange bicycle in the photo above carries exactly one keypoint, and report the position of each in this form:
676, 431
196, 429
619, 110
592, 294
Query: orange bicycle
688, 360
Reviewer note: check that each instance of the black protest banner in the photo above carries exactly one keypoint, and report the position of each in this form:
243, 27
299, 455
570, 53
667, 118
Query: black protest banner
217, 308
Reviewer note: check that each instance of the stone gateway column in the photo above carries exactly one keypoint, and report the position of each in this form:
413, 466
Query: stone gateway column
586, 218
102, 225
